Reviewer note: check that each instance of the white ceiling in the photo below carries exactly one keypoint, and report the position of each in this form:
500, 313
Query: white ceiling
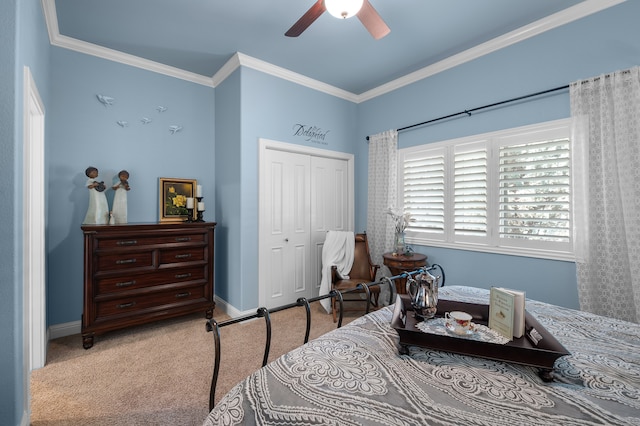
203, 40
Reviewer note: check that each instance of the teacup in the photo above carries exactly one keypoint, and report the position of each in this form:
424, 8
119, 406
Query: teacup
458, 321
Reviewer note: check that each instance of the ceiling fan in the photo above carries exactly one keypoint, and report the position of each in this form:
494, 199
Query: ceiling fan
342, 9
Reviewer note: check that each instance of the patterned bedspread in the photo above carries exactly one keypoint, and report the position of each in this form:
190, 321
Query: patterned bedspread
355, 376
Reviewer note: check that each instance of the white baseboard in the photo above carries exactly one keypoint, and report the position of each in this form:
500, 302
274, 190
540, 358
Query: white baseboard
64, 329
231, 310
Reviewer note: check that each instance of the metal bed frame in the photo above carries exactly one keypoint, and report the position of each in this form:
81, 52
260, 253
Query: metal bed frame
213, 326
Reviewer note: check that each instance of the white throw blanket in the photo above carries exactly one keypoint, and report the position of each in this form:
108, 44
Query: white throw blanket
337, 250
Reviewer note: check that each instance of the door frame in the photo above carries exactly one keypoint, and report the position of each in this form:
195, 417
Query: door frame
33, 223
33, 233
267, 144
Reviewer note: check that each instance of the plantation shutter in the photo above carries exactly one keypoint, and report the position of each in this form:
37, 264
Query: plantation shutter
424, 190
534, 184
470, 190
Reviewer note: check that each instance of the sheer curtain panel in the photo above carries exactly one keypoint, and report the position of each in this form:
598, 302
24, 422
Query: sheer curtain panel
382, 193
609, 271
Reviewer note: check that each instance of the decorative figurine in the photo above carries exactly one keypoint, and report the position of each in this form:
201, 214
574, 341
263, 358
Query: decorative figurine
120, 198
98, 211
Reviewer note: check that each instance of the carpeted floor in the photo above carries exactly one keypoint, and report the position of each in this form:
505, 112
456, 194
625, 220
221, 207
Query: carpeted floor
157, 374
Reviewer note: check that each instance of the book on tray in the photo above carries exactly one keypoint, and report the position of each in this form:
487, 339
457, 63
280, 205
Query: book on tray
507, 312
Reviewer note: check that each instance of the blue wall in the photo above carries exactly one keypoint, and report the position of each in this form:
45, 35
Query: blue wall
228, 188
23, 42
597, 44
269, 108
84, 132
10, 292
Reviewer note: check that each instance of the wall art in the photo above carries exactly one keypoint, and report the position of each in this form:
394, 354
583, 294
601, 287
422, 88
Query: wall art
173, 196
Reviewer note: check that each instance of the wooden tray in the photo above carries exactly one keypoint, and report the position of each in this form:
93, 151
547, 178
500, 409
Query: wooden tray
520, 351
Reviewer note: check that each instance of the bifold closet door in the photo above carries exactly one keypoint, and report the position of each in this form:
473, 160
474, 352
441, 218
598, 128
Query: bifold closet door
329, 207
302, 197
288, 221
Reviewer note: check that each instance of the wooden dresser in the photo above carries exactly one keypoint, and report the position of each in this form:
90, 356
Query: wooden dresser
139, 273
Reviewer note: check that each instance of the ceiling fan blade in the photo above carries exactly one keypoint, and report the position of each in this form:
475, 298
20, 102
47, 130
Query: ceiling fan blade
307, 19
372, 21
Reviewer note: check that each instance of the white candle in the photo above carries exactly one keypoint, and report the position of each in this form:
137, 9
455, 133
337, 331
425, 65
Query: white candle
201, 206
189, 202
199, 191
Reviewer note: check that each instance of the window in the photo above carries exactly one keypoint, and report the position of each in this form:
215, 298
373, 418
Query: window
505, 192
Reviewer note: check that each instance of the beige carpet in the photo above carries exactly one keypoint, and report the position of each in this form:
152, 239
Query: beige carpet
157, 374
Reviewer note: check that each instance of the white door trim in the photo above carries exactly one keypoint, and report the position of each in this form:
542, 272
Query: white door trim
267, 144
33, 226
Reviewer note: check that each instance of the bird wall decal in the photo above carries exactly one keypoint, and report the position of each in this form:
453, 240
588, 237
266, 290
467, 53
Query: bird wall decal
105, 100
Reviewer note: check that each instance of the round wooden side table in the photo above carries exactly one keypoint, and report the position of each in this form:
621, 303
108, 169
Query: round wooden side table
398, 264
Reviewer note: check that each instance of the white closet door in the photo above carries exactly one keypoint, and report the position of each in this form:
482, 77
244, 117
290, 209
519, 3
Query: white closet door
287, 218
304, 192
329, 207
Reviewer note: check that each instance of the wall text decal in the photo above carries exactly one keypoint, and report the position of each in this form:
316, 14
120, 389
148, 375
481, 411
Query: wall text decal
310, 133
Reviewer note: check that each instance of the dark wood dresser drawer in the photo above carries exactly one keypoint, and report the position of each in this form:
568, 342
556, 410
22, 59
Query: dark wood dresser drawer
136, 304
179, 255
111, 262
138, 273
128, 241
120, 283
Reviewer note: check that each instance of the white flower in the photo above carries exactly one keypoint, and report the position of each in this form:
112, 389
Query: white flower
401, 219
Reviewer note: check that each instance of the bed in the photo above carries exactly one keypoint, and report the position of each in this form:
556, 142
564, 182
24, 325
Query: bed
356, 375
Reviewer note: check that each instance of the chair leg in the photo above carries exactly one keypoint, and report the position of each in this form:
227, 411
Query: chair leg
333, 309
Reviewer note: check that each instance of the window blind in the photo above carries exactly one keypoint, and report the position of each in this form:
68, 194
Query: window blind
534, 183
470, 192
424, 186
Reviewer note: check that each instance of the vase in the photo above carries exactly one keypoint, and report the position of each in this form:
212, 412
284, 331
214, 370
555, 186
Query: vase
400, 247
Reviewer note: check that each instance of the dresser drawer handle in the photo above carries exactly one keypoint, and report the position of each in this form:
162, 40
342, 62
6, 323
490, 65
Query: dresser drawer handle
126, 305
126, 283
185, 294
127, 243
183, 275
125, 261
183, 239
183, 256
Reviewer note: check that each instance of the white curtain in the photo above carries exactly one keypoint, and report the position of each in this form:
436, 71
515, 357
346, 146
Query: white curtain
382, 193
607, 112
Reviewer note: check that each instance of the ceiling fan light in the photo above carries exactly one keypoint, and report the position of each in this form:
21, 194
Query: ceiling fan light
343, 8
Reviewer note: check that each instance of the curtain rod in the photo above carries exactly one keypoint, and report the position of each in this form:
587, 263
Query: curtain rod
469, 111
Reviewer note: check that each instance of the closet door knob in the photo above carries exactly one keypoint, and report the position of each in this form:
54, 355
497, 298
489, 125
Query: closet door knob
286, 240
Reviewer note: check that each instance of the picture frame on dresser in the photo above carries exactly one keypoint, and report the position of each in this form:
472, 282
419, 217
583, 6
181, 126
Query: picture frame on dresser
172, 197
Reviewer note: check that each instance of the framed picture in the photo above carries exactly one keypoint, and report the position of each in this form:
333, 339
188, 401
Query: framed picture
173, 198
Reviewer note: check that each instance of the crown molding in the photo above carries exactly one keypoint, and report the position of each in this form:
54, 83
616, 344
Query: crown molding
240, 59
550, 22
51, 19
56, 39
267, 68
227, 69
558, 19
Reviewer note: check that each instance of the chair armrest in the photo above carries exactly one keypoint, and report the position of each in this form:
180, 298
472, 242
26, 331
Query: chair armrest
334, 274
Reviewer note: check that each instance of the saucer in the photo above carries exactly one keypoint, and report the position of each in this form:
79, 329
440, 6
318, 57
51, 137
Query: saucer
459, 330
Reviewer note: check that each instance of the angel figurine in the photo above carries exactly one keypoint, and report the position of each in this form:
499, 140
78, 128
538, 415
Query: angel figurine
98, 211
120, 198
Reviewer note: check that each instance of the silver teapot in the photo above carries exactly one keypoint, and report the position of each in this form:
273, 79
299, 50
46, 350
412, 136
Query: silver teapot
423, 290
